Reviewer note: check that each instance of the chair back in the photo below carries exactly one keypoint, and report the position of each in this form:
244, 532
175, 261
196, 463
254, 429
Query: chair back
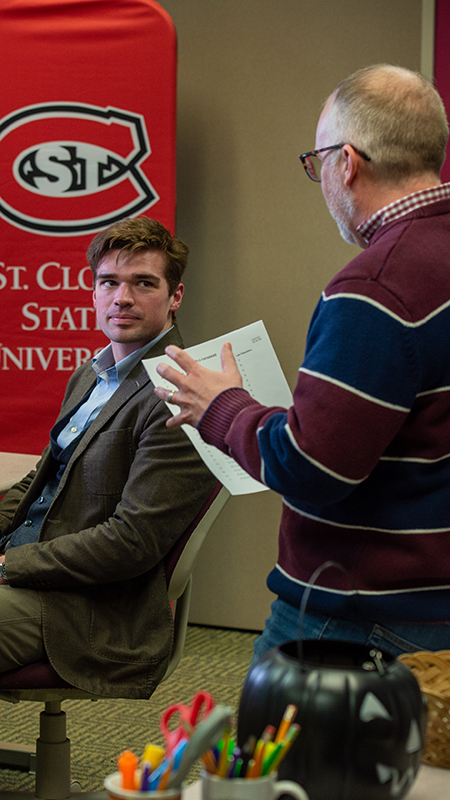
180, 561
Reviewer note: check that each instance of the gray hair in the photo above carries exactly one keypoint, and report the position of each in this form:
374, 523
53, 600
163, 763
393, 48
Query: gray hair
395, 116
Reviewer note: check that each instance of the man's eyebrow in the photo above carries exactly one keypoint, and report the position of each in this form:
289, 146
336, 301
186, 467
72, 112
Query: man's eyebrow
138, 276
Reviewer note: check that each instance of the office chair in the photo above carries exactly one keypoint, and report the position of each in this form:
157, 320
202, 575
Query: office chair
50, 759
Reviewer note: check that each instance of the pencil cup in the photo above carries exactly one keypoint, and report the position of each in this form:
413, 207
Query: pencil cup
264, 788
113, 786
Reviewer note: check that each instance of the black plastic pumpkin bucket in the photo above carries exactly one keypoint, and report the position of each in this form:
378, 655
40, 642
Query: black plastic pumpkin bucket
361, 713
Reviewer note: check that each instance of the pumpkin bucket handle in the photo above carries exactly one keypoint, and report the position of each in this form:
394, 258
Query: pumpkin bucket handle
375, 654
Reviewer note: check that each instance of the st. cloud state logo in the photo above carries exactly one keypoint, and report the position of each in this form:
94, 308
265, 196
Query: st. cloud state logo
72, 168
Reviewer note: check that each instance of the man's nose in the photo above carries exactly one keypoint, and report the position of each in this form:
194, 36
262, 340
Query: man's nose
123, 295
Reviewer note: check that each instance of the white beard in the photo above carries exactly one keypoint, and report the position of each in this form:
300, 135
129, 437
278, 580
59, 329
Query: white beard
341, 206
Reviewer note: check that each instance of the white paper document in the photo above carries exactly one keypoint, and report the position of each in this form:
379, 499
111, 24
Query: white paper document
263, 378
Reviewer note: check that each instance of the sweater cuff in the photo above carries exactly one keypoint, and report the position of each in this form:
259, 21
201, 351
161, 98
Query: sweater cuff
220, 415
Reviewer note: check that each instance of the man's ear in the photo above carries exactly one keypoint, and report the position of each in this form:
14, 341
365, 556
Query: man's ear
351, 164
177, 297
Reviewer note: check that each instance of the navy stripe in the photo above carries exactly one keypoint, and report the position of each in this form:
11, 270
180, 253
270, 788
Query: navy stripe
407, 606
415, 496
288, 472
433, 339
366, 348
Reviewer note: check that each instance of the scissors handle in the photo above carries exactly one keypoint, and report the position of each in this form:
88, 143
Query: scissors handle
189, 716
202, 701
173, 737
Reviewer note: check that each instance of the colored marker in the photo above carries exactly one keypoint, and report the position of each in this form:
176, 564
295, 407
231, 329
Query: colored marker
223, 759
250, 766
209, 762
178, 751
247, 754
260, 748
157, 774
238, 768
153, 754
145, 773
272, 758
165, 777
127, 763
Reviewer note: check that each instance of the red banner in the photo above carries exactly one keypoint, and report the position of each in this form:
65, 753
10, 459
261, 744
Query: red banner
87, 137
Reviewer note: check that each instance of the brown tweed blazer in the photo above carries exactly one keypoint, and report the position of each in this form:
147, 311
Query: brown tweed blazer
129, 490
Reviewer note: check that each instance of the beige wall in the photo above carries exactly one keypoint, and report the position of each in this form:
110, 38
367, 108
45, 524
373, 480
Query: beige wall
252, 77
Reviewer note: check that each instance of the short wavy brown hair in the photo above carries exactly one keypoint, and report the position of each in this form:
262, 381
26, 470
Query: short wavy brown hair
131, 235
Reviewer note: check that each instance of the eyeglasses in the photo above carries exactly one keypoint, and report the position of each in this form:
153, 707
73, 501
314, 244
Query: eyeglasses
313, 163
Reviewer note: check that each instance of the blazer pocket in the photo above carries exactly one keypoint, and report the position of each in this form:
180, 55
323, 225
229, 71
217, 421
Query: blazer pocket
107, 462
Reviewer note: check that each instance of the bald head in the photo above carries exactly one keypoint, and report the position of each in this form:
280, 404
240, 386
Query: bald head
395, 116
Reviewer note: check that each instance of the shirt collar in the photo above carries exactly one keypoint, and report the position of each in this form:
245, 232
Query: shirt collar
401, 207
105, 366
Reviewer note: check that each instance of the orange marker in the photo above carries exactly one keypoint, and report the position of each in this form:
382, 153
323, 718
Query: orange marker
209, 762
165, 777
127, 763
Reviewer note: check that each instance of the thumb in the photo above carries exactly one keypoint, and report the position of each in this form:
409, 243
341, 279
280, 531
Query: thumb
227, 358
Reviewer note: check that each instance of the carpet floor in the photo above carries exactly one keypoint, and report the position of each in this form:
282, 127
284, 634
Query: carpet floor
214, 659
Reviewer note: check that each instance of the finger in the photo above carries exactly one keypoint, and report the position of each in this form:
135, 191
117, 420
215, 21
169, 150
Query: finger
168, 395
227, 358
229, 363
176, 422
183, 359
170, 374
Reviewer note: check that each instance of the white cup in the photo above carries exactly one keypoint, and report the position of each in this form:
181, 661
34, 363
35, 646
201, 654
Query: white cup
113, 786
265, 788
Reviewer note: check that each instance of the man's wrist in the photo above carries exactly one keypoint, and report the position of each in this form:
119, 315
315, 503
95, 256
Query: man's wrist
3, 571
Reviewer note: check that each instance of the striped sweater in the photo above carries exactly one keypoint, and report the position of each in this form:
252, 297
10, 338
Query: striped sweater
362, 458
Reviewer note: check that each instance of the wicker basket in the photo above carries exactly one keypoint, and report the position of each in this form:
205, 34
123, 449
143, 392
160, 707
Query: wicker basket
432, 671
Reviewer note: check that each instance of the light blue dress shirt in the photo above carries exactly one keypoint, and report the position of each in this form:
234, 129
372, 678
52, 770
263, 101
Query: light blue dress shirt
109, 377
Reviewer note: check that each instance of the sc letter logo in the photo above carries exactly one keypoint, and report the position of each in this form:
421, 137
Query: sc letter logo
76, 167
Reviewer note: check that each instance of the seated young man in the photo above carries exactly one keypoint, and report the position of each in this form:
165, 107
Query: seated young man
85, 534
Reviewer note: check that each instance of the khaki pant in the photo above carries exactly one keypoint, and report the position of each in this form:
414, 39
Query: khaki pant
21, 639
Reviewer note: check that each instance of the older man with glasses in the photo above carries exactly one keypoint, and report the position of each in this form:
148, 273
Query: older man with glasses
362, 458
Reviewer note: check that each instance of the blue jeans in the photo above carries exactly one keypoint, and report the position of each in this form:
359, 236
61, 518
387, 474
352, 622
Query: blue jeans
283, 626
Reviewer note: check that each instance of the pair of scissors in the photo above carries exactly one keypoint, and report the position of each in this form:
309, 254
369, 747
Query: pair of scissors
188, 716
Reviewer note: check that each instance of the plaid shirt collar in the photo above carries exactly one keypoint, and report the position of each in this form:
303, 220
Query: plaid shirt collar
401, 207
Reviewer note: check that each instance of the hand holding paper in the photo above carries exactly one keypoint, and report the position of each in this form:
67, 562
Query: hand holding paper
254, 359
197, 386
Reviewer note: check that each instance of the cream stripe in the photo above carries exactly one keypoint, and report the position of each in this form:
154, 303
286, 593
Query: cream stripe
354, 391
352, 592
385, 310
262, 476
410, 460
433, 391
320, 466
401, 531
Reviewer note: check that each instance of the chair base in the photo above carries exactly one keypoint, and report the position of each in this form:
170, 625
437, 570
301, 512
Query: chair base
50, 762
18, 756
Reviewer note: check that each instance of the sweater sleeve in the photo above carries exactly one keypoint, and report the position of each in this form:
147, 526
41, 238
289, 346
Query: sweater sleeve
354, 390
